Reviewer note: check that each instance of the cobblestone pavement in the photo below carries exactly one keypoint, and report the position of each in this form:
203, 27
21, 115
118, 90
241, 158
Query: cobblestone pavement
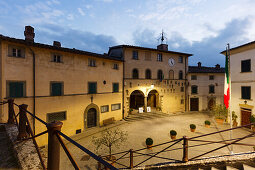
8, 159
158, 129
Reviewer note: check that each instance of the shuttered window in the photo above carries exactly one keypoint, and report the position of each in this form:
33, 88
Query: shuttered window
56, 88
115, 87
245, 65
57, 116
211, 89
246, 92
194, 89
92, 87
16, 89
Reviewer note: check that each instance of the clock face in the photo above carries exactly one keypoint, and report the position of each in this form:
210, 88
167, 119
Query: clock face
171, 62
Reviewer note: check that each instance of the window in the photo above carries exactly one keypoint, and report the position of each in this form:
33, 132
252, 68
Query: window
115, 87
135, 74
104, 108
180, 59
148, 74
160, 75
246, 65
171, 74
182, 89
211, 89
159, 57
180, 75
193, 77
115, 66
16, 89
92, 62
115, 106
193, 89
246, 92
148, 56
57, 116
16, 52
211, 77
135, 55
92, 87
57, 58
56, 88
182, 101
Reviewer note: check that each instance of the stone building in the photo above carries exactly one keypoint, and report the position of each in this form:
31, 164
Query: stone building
242, 62
79, 88
206, 87
154, 78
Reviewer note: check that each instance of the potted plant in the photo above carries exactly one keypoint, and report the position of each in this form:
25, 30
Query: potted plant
173, 134
220, 113
207, 123
252, 120
130, 110
158, 108
149, 143
192, 127
253, 148
234, 117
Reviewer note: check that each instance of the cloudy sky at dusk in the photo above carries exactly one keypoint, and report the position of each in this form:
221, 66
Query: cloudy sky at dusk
200, 27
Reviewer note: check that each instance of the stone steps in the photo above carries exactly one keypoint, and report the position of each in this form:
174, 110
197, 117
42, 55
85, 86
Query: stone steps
145, 116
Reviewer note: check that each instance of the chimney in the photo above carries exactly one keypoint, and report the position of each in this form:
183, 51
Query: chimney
162, 47
56, 44
29, 34
199, 64
217, 66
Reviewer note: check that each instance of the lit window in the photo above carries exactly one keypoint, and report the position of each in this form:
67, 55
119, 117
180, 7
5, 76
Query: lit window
115, 106
104, 108
57, 116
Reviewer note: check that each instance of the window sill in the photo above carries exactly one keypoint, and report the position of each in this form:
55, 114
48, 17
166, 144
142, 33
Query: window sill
245, 71
57, 62
246, 99
16, 56
92, 66
135, 59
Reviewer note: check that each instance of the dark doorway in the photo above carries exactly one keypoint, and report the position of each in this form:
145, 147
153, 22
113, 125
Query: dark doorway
92, 118
136, 99
211, 103
194, 104
245, 117
152, 98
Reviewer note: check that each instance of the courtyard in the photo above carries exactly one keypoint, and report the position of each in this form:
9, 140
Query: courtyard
158, 129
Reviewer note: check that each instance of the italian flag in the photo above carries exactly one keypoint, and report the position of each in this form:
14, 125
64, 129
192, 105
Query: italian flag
226, 85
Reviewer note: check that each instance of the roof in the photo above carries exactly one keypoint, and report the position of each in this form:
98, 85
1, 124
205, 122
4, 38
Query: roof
249, 43
70, 50
196, 69
152, 49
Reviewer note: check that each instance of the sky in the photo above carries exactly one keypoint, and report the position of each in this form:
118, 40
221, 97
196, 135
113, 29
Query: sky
200, 27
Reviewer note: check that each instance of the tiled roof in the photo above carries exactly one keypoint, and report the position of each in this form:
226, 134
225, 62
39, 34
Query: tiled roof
152, 49
71, 50
249, 43
196, 69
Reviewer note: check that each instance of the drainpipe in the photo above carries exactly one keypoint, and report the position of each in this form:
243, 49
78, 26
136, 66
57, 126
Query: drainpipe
33, 88
123, 84
185, 83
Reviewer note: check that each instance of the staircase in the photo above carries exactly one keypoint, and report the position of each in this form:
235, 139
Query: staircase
8, 159
145, 116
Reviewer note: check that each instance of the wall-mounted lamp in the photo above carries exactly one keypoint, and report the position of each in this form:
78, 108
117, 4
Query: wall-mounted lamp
152, 86
245, 102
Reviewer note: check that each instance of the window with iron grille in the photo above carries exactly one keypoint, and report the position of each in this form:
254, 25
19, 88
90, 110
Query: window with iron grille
194, 89
57, 58
246, 92
56, 88
211, 89
16, 89
92, 87
115, 106
104, 108
159, 57
135, 55
115, 87
56, 116
246, 65
92, 62
193, 77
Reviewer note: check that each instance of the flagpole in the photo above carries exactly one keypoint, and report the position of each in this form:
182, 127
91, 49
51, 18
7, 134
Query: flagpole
229, 110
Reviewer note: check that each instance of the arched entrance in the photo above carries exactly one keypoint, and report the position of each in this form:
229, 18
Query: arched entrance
91, 116
211, 103
136, 99
153, 98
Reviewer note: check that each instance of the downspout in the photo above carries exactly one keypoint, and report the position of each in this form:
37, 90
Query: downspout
185, 84
123, 72
33, 89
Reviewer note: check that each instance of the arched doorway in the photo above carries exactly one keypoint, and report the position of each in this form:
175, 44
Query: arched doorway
91, 116
136, 99
211, 103
153, 98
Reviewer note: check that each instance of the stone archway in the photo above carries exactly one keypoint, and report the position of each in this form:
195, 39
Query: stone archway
136, 99
91, 116
153, 99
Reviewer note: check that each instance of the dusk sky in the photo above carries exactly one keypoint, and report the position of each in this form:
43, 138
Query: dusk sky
200, 27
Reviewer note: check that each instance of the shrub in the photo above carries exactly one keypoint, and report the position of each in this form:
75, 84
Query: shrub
173, 132
252, 119
192, 126
220, 112
207, 122
234, 116
149, 141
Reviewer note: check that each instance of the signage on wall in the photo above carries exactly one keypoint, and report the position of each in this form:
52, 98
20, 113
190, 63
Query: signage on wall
140, 110
148, 109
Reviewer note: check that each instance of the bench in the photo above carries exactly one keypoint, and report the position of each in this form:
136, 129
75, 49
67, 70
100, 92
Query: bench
108, 121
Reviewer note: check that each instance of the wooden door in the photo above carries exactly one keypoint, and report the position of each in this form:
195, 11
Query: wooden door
194, 104
211, 103
245, 117
92, 118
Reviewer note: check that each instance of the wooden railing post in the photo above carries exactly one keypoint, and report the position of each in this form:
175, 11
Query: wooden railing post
53, 146
10, 111
185, 149
22, 122
99, 164
131, 158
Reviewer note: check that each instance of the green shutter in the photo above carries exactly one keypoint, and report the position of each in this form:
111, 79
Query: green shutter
115, 87
56, 89
92, 88
16, 89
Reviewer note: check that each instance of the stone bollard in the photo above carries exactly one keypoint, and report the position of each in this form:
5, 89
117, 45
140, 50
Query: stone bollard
22, 122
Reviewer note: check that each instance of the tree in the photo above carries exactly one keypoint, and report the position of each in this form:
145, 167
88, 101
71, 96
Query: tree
110, 138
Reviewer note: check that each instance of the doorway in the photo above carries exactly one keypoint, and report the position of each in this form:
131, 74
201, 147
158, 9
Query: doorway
194, 104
